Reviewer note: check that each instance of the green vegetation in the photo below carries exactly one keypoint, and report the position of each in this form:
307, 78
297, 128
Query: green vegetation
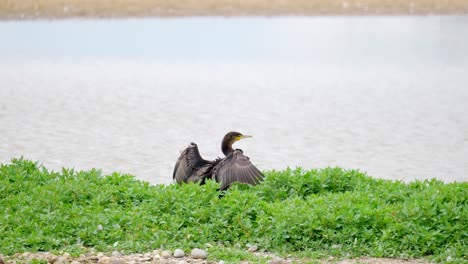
312, 213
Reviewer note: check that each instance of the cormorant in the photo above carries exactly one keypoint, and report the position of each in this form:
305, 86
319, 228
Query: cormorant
234, 167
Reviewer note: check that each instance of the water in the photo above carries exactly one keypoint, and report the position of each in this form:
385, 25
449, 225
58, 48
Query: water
386, 95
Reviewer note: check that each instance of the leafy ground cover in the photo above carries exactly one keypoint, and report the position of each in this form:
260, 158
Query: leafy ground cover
313, 214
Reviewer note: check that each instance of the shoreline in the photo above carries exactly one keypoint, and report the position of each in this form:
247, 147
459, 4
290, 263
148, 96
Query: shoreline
168, 256
55, 9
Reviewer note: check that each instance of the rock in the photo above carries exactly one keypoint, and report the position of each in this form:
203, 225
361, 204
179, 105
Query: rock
166, 254
221, 262
252, 248
198, 254
116, 254
279, 261
100, 228
66, 255
31, 256
93, 258
61, 260
179, 253
104, 260
1, 261
100, 255
75, 262
51, 258
116, 261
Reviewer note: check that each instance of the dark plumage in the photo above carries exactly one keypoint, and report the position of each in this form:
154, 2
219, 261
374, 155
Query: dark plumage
234, 167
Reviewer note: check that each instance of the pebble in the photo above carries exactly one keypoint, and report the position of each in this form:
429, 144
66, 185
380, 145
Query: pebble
280, 261
252, 248
116, 254
116, 261
66, 256
166, 254
75, 262
61, 260
104, 260
199, 254
51, 258
179, 253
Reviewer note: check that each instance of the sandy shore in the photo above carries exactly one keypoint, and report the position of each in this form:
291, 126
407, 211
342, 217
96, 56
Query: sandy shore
56, 9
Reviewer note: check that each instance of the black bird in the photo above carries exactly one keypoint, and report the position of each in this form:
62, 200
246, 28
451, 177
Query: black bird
234, 167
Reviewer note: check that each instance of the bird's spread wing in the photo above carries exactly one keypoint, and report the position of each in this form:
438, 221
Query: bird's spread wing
189, 160
237, 168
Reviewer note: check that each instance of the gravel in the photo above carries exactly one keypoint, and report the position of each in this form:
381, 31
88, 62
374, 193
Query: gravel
197, 256
252, 248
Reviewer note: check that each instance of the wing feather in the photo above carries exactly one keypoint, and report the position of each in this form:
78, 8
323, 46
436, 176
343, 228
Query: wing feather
237, 168
188, 163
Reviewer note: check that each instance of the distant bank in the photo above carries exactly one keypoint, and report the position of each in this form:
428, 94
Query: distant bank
57, 9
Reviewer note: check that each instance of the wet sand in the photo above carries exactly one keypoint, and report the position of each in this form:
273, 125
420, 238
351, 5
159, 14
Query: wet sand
57, 9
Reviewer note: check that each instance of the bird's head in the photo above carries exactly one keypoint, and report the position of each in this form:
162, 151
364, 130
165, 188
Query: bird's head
235, 136
229, 139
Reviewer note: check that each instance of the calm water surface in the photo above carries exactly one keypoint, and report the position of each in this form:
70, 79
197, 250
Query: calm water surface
386, 95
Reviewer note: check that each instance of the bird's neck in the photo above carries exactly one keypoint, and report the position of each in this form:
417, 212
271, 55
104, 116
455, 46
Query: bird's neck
226, 147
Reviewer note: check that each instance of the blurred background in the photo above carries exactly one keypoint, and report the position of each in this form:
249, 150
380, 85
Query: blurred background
126, 85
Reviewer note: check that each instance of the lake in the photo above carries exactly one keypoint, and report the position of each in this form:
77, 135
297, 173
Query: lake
385, 95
